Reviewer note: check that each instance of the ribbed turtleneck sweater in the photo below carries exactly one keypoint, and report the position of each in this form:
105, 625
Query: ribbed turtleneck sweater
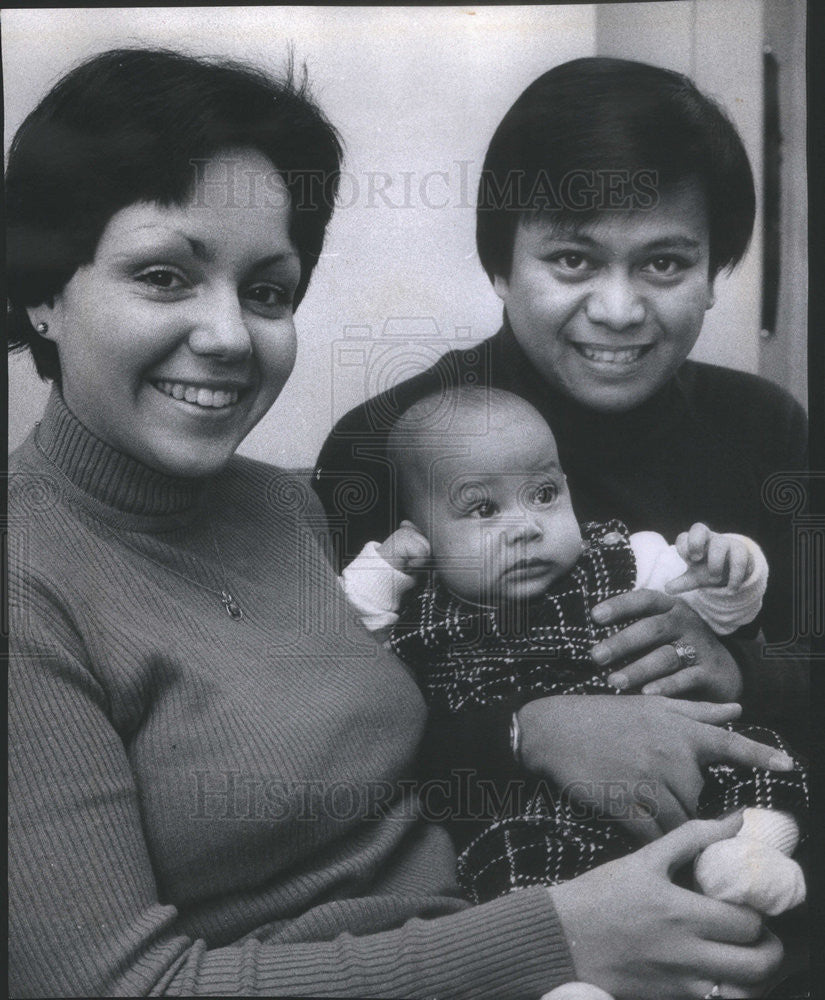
204, 805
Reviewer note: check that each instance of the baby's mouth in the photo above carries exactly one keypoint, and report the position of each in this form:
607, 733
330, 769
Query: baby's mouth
618, 356
529, 568
198, 395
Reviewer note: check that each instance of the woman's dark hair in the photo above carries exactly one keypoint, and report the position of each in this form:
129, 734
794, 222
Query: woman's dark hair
131, 125
597, 134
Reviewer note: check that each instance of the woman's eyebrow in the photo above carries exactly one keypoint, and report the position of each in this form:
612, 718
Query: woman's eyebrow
285, 257
200, 250
207, 256
168, 235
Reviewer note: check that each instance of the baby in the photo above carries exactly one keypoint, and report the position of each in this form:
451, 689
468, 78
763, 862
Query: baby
505, 617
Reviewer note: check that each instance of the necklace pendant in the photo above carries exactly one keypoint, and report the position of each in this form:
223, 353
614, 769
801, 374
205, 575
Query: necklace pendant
233, 609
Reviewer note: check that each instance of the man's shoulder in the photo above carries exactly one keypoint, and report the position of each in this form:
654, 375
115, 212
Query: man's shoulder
724, 388
753, 415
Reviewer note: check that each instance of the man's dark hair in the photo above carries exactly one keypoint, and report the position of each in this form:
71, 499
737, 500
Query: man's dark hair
597, 134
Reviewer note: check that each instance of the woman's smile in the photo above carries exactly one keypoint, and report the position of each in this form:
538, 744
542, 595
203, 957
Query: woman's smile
619, 356
199, 396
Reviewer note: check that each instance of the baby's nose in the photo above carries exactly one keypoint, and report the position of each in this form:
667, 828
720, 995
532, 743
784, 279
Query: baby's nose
526, 527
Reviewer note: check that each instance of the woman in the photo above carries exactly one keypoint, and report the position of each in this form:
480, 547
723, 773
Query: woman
612, 195
210, 790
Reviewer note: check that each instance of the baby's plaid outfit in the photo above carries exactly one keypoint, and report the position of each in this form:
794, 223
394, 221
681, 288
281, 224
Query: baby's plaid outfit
467, 657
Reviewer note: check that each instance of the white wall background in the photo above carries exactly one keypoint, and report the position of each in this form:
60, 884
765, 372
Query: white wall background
416, 94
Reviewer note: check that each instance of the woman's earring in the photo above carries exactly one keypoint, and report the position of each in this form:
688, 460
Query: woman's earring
42, 328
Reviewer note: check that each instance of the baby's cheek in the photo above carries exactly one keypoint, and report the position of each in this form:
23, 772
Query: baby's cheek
573, 550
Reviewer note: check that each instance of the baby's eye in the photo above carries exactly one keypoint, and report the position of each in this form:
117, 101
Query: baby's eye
545, 494
163, 278
484, 509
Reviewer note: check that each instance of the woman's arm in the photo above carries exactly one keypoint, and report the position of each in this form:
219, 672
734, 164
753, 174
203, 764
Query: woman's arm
781, 447
89, 919
773, 691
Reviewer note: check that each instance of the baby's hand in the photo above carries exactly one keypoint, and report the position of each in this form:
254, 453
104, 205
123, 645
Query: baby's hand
713, 560
406, 549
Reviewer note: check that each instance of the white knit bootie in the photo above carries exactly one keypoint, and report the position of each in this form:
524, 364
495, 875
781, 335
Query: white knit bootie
577, 991
754, 868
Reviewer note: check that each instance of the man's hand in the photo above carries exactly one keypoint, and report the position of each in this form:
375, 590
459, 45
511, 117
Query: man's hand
644, 654
636, 760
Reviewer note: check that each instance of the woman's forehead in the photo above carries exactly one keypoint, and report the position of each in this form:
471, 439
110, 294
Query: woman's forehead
208, 223
237, 178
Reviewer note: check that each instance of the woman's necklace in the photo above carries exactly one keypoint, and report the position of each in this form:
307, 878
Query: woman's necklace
233, 609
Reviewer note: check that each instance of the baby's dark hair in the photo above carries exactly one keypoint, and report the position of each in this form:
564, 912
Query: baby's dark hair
600, 134
132, 125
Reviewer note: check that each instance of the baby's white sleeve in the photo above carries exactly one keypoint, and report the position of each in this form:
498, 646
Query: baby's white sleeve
374, 588
656, 562
725, 610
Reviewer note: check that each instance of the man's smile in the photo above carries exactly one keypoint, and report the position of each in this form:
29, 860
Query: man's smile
613, 356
